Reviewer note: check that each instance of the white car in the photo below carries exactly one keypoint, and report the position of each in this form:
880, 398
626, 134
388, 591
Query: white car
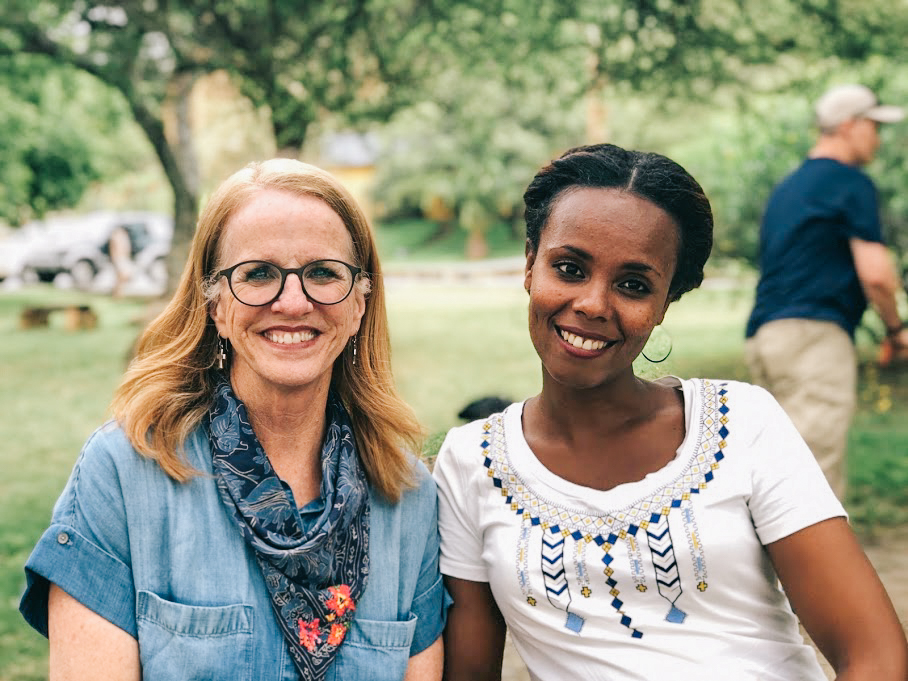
15, 247
74, 250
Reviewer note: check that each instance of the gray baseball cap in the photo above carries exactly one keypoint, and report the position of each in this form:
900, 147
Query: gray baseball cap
845, 102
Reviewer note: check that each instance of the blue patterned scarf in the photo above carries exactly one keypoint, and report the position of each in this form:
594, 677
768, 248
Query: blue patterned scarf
315, 578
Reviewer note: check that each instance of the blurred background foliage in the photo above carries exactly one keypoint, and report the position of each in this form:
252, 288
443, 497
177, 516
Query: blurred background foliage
147, 104
62, 132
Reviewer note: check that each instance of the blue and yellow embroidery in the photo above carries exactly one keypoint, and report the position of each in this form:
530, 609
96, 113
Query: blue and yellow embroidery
583, 577
649, 515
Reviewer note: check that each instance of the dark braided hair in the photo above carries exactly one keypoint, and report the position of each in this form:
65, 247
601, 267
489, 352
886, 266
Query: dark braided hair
648, 175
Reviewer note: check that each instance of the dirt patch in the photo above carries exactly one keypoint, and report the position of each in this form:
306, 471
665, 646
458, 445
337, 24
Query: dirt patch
887, 550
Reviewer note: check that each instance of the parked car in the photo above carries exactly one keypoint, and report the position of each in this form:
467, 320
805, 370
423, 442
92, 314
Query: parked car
76, 249
15, 246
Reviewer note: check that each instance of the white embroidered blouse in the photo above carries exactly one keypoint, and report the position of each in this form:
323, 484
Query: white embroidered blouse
666, 577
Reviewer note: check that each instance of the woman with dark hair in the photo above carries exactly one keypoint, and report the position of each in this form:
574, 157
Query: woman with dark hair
628, 529
255, 510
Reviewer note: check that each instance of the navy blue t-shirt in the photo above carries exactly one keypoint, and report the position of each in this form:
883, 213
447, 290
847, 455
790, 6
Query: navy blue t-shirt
806, 267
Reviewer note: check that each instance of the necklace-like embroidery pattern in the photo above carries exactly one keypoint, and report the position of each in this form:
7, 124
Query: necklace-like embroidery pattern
643, 521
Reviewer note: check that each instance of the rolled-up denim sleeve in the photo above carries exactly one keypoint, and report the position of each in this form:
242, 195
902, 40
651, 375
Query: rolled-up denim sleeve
85, 549
431, 601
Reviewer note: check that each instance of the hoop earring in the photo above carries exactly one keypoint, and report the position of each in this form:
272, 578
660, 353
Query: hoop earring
353, 343
657, 361
221, 355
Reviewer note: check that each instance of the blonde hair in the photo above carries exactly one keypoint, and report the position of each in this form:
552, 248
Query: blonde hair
169, 386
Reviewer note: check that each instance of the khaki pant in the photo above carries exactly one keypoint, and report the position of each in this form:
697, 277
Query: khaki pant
810, 367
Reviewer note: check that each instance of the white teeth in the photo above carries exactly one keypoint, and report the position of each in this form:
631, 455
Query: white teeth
288, 338
580, 342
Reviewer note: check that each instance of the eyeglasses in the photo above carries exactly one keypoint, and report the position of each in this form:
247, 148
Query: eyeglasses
259, 282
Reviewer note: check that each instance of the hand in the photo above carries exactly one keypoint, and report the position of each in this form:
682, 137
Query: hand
893, 348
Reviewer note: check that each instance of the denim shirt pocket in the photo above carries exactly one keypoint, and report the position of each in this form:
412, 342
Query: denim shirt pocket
374, 649
178, 641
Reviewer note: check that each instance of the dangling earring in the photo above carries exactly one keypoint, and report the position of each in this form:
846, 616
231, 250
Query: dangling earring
353, 341
222, 352
657, 361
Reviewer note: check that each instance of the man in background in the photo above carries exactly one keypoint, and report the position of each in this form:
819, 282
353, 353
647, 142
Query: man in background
822, 259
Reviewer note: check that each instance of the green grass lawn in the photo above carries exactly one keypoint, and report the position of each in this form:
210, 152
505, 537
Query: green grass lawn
451, 344
54, 390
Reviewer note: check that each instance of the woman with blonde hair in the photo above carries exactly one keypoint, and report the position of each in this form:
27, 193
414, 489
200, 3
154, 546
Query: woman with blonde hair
253, 510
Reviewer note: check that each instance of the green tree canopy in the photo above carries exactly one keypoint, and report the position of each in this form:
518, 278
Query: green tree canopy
62, 130
298, 60
496, 85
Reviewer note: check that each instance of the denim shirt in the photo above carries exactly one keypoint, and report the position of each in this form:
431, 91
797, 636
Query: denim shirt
164, 562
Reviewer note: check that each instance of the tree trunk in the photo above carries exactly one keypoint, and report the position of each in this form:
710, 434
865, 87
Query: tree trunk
185, 207
477, 245
179, 133
185, 200
185, 189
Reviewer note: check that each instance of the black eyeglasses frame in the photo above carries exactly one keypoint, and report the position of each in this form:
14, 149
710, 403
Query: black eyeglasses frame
285, 271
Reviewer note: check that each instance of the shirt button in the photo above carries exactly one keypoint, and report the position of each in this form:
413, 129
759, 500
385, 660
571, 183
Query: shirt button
63, 538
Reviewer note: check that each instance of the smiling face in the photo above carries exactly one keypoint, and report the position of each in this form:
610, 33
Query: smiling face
291, 343
599, 283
